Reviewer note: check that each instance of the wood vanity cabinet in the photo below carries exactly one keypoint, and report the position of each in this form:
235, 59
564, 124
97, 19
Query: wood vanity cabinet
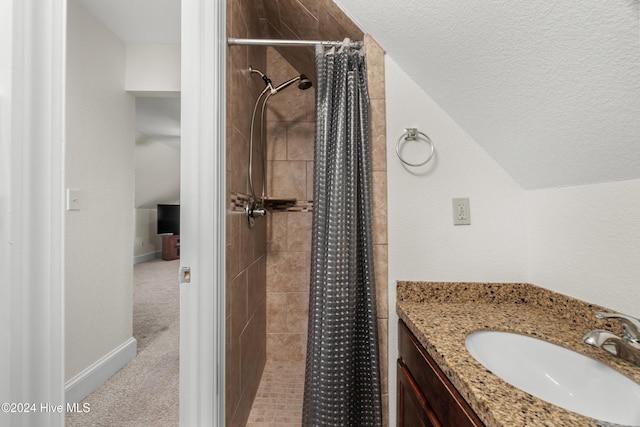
426, 397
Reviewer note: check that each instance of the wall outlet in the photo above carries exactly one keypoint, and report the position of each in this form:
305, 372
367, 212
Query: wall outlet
461, 211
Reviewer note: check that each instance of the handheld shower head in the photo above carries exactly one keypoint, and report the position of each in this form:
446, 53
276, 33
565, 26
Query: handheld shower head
304, 82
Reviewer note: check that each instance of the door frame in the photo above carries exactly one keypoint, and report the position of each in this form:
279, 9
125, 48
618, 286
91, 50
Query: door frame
203, 198
32, 209
32, 99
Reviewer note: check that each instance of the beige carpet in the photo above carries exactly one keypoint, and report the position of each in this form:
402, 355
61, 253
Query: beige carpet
145, 392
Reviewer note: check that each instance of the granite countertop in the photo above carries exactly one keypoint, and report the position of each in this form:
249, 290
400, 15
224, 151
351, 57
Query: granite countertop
441, 315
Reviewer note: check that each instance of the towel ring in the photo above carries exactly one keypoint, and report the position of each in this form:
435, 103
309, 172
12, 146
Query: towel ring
411, 134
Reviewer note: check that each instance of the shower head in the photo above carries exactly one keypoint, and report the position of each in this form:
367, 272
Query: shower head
304, 83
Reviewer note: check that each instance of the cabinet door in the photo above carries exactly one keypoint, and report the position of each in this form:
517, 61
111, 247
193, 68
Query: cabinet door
411, 402
441, 397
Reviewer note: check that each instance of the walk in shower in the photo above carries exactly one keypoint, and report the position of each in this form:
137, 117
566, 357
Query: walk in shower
342, 369
268, 266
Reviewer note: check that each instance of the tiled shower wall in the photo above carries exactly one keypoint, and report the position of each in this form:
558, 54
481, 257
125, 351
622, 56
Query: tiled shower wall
245, 346
290, 174
375, 75
291, 118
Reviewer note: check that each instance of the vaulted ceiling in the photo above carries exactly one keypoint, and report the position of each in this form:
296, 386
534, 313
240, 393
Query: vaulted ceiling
551, 90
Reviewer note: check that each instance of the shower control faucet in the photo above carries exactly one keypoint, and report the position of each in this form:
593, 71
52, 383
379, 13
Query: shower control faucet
626, 347
258, 212
254, 209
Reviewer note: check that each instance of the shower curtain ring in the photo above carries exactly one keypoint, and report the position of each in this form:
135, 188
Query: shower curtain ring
412, 134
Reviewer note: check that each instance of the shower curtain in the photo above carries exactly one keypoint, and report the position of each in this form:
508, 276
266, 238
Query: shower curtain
342, 379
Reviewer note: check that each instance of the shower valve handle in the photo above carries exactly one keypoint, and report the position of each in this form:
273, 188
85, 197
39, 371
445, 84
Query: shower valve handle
252, 210
258, 212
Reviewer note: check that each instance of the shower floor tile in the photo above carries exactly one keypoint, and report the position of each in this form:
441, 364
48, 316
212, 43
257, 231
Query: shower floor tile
278, 402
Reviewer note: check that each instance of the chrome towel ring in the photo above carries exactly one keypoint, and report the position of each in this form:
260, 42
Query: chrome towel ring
411, 134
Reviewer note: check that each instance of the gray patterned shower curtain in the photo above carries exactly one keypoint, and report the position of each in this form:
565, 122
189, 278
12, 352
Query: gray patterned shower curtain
342, 379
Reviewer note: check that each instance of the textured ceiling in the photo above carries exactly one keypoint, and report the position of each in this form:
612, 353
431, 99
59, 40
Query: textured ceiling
551, 90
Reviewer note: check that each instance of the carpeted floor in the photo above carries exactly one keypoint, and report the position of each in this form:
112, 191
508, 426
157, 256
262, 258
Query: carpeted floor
145, 392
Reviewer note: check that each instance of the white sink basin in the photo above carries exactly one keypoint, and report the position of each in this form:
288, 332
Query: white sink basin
558, 375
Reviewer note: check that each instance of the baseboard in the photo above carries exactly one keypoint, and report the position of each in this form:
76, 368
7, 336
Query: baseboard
87, 381
146, 257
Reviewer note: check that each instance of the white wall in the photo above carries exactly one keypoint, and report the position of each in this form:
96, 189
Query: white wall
99, 162
146, 242
423, 242
157, 173
584, 241
153, 68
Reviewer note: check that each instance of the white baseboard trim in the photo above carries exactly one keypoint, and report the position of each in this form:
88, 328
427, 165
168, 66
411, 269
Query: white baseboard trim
87, 381
146, 257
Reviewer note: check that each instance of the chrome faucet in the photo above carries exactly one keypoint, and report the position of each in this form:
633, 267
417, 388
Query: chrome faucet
630, 325
626, 347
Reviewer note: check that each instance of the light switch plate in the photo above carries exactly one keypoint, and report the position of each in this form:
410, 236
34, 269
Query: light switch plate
74, 199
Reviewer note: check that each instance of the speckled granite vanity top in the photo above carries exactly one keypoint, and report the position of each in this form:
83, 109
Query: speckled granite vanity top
441, 315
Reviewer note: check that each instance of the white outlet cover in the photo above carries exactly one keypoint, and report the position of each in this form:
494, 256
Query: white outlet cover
461, 211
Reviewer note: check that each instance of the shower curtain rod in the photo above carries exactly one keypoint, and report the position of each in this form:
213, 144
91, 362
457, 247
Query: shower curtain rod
281, 42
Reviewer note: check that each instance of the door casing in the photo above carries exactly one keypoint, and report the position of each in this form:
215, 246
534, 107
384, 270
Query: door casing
32, 205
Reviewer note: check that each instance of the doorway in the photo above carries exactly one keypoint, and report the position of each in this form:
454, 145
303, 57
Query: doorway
36, 223
122, 156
